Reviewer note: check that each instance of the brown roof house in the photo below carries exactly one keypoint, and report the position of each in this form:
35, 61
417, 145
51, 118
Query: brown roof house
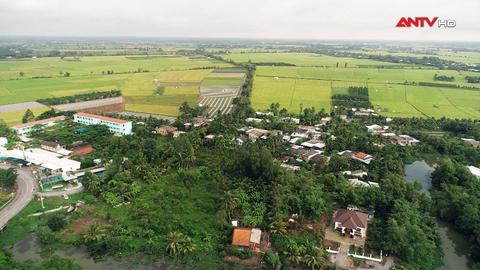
246, 237
51, 146
352, 223
166, 130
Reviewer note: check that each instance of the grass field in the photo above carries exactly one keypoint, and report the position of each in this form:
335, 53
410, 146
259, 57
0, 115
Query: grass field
52, 66
291, 93
179, 73
15, 117
311, 86
462, 57
180, 86
304, 59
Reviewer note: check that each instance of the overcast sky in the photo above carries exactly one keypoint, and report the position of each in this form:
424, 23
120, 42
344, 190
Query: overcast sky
309, 19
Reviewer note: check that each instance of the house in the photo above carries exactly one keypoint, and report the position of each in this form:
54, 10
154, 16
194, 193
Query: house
318, 144
471, 142
200, 122
358, 183
290, 167
25, 128
118, 127
254, 120
308, 155
403, 140
357, 173
376, 129
346, 154
364, 112
246, 237
368, 211
266, 113
51, 146
167, 130
351, 223
256, 133
210, 137
240, 140
291, 119
362, 157
3, 141
474, 170
325, 120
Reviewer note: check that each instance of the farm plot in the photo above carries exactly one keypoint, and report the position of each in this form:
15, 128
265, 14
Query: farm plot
417, 101
292, 94
141, 95
387, 92
303, 59
218, 90
99, 65
15, 117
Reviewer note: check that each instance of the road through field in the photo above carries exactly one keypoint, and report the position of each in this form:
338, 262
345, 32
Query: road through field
20, 106
25, 191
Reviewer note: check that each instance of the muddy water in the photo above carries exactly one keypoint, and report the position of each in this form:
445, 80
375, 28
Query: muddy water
454, 245
29, 249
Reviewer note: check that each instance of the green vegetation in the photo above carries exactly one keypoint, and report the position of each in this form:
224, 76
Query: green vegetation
456, 201
393, 92
7, 178
80, 97
44, 78
354, 97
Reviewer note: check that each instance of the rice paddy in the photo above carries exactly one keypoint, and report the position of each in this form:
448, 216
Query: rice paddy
393, 91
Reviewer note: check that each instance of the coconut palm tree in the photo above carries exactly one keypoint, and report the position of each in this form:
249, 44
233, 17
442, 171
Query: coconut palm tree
179, 243
95, 232
277, 227
230, 202
175, 240
312, 262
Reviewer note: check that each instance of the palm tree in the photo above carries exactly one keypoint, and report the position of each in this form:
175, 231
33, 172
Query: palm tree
230, 202
277, 227
175, 239
312, 262
95, 232
179, 244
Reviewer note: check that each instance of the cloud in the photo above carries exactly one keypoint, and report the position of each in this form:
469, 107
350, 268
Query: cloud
311, 19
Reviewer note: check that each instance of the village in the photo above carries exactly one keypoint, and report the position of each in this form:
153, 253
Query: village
58, 171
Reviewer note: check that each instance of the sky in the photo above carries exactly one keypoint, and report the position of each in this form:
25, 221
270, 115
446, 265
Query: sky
272, 19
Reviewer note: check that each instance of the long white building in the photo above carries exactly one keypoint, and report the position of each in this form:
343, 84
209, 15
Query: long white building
117, 126
25, 128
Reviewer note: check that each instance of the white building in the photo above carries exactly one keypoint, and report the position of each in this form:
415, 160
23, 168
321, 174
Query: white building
117, 126
474, 170
25, 128
45, 159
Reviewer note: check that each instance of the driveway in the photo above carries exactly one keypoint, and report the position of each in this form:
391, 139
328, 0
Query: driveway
25, 191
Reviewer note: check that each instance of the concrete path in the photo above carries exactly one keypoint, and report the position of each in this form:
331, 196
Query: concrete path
20, 106
71, 191
25, 191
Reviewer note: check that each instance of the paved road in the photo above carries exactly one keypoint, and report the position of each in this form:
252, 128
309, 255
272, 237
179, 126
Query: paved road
20, 106
25, 191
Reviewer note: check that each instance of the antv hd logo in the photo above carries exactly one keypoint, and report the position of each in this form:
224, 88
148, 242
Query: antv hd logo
425, 22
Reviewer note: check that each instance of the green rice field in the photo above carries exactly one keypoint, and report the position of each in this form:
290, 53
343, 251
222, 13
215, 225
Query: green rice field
42, 78
391, 90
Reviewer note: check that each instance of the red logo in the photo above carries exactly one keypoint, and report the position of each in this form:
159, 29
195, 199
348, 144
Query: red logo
416, 22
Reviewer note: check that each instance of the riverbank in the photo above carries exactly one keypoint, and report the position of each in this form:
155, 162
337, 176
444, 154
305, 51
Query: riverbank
454, 244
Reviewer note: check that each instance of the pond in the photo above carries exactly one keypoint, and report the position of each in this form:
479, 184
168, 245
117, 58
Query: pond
29, 249
454, 245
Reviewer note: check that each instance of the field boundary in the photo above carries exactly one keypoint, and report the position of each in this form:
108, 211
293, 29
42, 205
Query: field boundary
411, 104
